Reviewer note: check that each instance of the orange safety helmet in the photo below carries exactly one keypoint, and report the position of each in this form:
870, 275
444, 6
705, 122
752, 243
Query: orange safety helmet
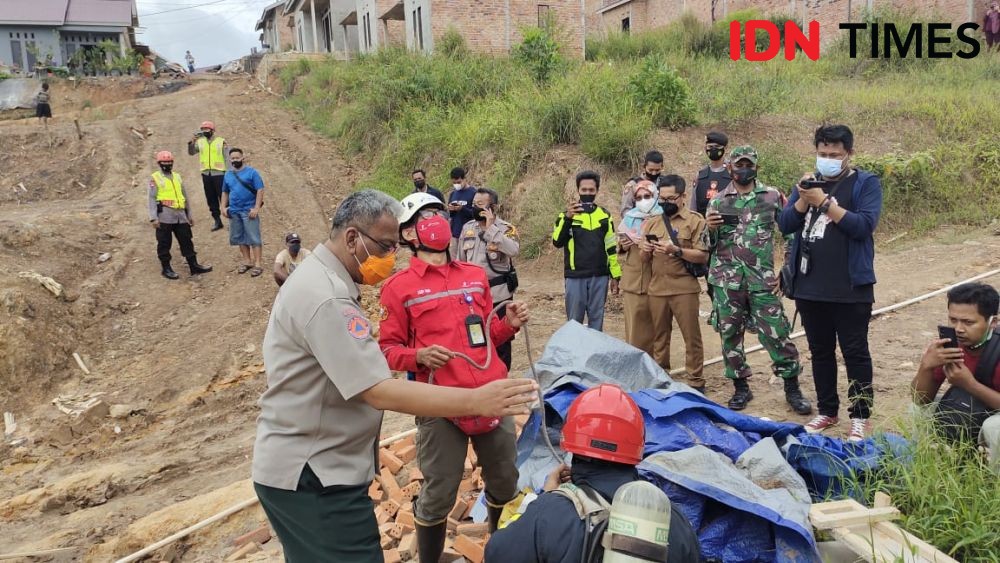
605, 423
208, 125
164, 156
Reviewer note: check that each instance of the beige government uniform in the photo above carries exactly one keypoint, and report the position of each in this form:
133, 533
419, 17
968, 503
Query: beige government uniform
657, 291
320, 356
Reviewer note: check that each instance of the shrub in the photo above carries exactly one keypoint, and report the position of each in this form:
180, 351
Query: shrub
452, 44
539, 51
659, 90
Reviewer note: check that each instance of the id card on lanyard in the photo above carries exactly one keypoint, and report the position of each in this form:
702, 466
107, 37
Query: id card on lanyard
474, 330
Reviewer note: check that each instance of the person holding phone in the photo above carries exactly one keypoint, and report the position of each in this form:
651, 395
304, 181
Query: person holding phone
432, 311
832, 216
586, 234
969, 340
460, 207
656, 282
742, 222
652, 168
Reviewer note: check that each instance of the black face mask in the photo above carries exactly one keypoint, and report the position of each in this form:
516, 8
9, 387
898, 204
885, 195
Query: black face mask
208, 134
294, 248
715, 154
167, 168
587, 198
419, 184
237, 164
651, 177
744, 176
669, 209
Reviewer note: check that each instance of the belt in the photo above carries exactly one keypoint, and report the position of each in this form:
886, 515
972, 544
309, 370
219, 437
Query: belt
502, 280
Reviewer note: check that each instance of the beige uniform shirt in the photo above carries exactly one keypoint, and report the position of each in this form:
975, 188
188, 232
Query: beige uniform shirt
320, 356
664, 275
287, 263
491, 249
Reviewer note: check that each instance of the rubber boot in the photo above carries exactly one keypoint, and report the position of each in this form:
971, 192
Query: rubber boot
168, 272
197, 268
430, 542
218, 224
794, 396
742, 396
493, 516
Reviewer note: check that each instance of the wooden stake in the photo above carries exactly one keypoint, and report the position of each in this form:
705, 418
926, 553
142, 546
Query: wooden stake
79, 132
79, 362
38, 553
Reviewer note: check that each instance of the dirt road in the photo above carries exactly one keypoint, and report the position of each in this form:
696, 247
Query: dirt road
184, 356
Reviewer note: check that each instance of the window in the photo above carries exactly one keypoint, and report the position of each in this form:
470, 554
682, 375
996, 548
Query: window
420, 26
543, 15
626, 25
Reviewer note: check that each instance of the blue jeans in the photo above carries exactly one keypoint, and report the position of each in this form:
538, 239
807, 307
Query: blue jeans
586, 297
243, 231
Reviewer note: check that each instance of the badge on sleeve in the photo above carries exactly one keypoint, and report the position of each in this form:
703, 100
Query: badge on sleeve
358, 327
383, 314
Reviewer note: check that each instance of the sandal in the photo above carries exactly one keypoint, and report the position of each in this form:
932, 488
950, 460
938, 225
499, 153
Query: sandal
243, 269
255, 271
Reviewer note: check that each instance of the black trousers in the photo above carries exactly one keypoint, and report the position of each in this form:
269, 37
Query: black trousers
318, 524
213, 193
826, 324
504, 351
164, 238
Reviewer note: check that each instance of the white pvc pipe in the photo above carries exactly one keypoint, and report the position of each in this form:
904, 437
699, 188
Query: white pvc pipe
875, 313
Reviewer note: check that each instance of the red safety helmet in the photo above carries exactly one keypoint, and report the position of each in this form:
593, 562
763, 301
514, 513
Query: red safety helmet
208, 125
164, 156
605, 423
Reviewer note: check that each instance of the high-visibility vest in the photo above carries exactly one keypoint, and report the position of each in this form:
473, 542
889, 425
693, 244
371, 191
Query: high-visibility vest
168, 191
211, 155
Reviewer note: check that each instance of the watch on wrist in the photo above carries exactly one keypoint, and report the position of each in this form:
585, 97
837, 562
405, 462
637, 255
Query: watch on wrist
678, 253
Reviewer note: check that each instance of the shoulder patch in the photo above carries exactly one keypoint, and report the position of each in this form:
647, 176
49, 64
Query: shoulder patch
358, 327
383, 314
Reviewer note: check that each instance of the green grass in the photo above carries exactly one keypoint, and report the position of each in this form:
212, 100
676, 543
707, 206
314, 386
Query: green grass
946, 492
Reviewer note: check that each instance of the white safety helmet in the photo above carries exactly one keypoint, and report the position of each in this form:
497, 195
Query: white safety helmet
413, 203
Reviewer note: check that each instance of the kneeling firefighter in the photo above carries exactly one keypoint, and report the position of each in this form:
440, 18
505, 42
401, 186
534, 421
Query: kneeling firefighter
436, 317
573, 521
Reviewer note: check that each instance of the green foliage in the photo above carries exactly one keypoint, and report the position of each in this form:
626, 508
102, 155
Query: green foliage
452, 44
665, 95
539, 51
534, 221
945, 491
4, 75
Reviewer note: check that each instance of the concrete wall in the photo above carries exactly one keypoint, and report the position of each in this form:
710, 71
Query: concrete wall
46, 39
418, 25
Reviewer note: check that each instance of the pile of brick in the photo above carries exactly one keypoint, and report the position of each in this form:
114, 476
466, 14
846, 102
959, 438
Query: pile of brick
399, 481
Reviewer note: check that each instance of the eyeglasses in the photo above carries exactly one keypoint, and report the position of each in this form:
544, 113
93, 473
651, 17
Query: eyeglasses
672, 199
385, 248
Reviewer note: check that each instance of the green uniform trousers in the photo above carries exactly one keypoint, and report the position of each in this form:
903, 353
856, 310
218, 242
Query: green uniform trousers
733, 309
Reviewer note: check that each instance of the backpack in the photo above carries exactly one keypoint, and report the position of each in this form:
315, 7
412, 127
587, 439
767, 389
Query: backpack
959, 414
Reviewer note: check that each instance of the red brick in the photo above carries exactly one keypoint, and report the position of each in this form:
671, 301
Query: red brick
390, 486
391, 556
469, 549
389, 460
260, 535
458, 511
407, 454
473, 530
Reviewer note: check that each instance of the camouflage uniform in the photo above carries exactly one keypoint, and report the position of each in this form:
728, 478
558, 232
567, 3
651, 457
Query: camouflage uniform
741, 274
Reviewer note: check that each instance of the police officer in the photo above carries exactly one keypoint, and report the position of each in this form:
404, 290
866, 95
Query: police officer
433, 311
742, 222
211, 151
605, 433
170, 215
327, 385
491, 243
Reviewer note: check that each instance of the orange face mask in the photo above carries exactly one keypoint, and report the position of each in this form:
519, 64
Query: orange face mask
375, 269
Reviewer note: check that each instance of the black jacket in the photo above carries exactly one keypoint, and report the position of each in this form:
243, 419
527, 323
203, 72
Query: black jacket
550, 531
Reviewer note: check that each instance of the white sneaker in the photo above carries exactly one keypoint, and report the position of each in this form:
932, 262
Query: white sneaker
821, 423
860, 427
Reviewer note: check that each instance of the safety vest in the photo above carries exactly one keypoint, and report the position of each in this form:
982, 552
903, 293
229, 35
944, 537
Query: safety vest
169, 192
211, 155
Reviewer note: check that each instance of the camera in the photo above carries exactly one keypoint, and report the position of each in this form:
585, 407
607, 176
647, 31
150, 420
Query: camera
199, 133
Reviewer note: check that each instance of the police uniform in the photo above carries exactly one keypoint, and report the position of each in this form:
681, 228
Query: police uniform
493, 250
427, 305
658, 290
316, 448
168, 204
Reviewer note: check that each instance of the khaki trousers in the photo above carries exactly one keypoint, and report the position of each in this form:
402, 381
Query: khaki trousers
649, 326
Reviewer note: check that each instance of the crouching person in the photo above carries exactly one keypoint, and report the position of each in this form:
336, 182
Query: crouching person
971, 406
605, 433
433, 311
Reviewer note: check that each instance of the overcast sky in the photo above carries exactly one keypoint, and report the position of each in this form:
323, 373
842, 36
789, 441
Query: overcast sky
216, 31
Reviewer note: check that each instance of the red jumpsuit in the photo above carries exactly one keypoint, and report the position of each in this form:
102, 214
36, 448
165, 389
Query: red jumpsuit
425, 305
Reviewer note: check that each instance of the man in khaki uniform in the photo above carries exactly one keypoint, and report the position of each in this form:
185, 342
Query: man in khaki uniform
491, 243
327, 385
669, 290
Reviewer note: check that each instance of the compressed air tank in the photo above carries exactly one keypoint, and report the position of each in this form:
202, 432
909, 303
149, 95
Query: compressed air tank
640, 518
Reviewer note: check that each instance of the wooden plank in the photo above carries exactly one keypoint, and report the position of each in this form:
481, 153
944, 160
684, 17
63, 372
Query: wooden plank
906, 539
864, 517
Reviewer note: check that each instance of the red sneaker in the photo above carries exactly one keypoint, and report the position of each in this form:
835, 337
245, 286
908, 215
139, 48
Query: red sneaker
821, 423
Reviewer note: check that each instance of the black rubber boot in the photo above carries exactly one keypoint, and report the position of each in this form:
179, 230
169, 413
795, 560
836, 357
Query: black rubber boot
218, 224
794, 396
493, 516
197, 268
742, 396
168, 272
430, 542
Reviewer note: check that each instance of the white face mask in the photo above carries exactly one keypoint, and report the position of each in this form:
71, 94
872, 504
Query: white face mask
457, 186
829, 167
645, 205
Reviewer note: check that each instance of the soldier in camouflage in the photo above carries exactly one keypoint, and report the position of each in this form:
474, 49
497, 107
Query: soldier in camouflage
741, 219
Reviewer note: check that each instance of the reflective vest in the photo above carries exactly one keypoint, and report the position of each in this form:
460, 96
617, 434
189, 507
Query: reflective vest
211, 155
169, 192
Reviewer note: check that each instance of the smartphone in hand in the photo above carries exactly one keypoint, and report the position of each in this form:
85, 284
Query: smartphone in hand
652, 239
949, 333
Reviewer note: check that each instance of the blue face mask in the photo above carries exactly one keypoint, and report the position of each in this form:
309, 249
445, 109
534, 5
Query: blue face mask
829, 167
